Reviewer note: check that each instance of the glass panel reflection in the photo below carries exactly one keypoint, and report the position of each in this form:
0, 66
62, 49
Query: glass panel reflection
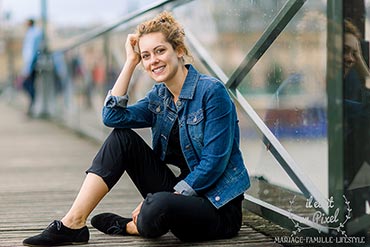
229, 28
356, 106
287, 88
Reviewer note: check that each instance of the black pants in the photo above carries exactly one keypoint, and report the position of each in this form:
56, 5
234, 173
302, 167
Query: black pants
190, 218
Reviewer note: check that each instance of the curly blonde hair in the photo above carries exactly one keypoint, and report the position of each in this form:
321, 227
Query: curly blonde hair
349, 27
169, 27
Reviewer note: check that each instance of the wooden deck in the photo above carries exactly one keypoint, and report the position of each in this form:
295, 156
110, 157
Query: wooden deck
41, 169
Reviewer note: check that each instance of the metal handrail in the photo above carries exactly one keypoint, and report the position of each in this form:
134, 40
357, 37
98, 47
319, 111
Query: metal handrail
88, 36
267, 38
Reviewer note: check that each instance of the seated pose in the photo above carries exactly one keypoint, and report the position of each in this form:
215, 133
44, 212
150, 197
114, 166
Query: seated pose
194, 127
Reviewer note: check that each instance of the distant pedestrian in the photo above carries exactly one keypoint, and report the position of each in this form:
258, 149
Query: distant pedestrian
30, 52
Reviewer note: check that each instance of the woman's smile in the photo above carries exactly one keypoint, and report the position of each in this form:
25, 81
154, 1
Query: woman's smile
159, 58
158, 70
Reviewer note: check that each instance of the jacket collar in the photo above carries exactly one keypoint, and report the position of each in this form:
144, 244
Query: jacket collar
191, 81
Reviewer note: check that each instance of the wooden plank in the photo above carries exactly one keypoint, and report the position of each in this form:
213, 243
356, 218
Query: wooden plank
41, 169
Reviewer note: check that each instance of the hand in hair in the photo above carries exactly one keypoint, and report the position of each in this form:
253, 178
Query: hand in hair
131, 49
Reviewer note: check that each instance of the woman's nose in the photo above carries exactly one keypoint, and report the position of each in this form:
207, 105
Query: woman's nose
154, 60
349, 58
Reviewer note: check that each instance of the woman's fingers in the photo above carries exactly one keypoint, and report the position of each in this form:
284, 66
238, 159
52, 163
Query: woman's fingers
136, 212
132, 50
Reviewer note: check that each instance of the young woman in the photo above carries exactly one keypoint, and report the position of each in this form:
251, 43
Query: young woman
194, 126
356, 119
352, 54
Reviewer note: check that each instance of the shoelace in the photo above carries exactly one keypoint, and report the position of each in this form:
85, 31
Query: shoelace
115, 229
57, 223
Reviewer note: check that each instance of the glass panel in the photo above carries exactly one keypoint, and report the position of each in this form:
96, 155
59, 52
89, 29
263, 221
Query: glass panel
229, 28
88, 74
93, 67
259, 162
356, 106
70, 18
287, 90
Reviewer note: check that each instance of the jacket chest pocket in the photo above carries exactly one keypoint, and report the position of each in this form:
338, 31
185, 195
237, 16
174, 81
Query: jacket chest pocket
156, 107
195, 124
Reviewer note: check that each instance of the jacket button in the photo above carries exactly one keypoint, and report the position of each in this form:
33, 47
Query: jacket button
158, 109
217, 198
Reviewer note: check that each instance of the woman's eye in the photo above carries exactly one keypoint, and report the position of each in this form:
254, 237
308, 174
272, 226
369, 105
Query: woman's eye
145, 56
160, 51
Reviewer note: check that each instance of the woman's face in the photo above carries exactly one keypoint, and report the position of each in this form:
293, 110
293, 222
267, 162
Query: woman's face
350, 49
159, 58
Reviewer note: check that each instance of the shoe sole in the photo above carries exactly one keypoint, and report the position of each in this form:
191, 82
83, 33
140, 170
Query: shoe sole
61, 244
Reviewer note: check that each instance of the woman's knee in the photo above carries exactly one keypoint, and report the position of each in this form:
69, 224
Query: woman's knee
154, 206
109, 162
152, 220
123, 139
124, 133
157, 202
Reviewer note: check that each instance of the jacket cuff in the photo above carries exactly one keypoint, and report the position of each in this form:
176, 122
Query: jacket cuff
184, 189
112, 101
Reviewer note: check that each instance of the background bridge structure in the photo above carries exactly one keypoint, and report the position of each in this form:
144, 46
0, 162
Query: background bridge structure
281, 61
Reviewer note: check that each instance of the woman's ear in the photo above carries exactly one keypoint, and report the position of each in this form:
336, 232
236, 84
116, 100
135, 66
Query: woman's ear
180, 52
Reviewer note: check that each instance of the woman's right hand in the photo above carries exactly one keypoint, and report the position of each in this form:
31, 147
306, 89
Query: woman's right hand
136, 212
121, 85
132, 55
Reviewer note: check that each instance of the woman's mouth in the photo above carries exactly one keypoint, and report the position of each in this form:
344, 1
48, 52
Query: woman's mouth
348, 65
158, 70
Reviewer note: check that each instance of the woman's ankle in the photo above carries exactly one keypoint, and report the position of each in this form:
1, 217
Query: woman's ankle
73, 223
131, 228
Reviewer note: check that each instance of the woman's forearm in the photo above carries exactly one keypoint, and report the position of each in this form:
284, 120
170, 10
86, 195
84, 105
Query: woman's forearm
133, 58
122, 83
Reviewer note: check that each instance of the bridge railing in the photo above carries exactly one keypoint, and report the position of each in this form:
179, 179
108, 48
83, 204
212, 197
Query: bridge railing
274, 58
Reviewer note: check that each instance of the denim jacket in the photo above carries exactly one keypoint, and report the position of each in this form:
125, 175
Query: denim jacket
209, 133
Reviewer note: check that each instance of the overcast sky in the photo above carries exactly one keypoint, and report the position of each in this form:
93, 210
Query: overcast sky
67, 12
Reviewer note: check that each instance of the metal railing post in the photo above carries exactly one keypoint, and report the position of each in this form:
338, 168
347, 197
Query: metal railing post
334, 80
45, 86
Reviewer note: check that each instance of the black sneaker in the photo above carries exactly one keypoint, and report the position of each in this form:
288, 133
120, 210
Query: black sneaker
57, 234
111, 224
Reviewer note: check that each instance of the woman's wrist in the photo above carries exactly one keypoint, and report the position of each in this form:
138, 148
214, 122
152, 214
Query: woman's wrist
130, 64
121, 86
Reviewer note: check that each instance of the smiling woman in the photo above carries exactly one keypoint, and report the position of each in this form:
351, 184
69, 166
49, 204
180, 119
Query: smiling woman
194, 127
168, 39
162, 62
